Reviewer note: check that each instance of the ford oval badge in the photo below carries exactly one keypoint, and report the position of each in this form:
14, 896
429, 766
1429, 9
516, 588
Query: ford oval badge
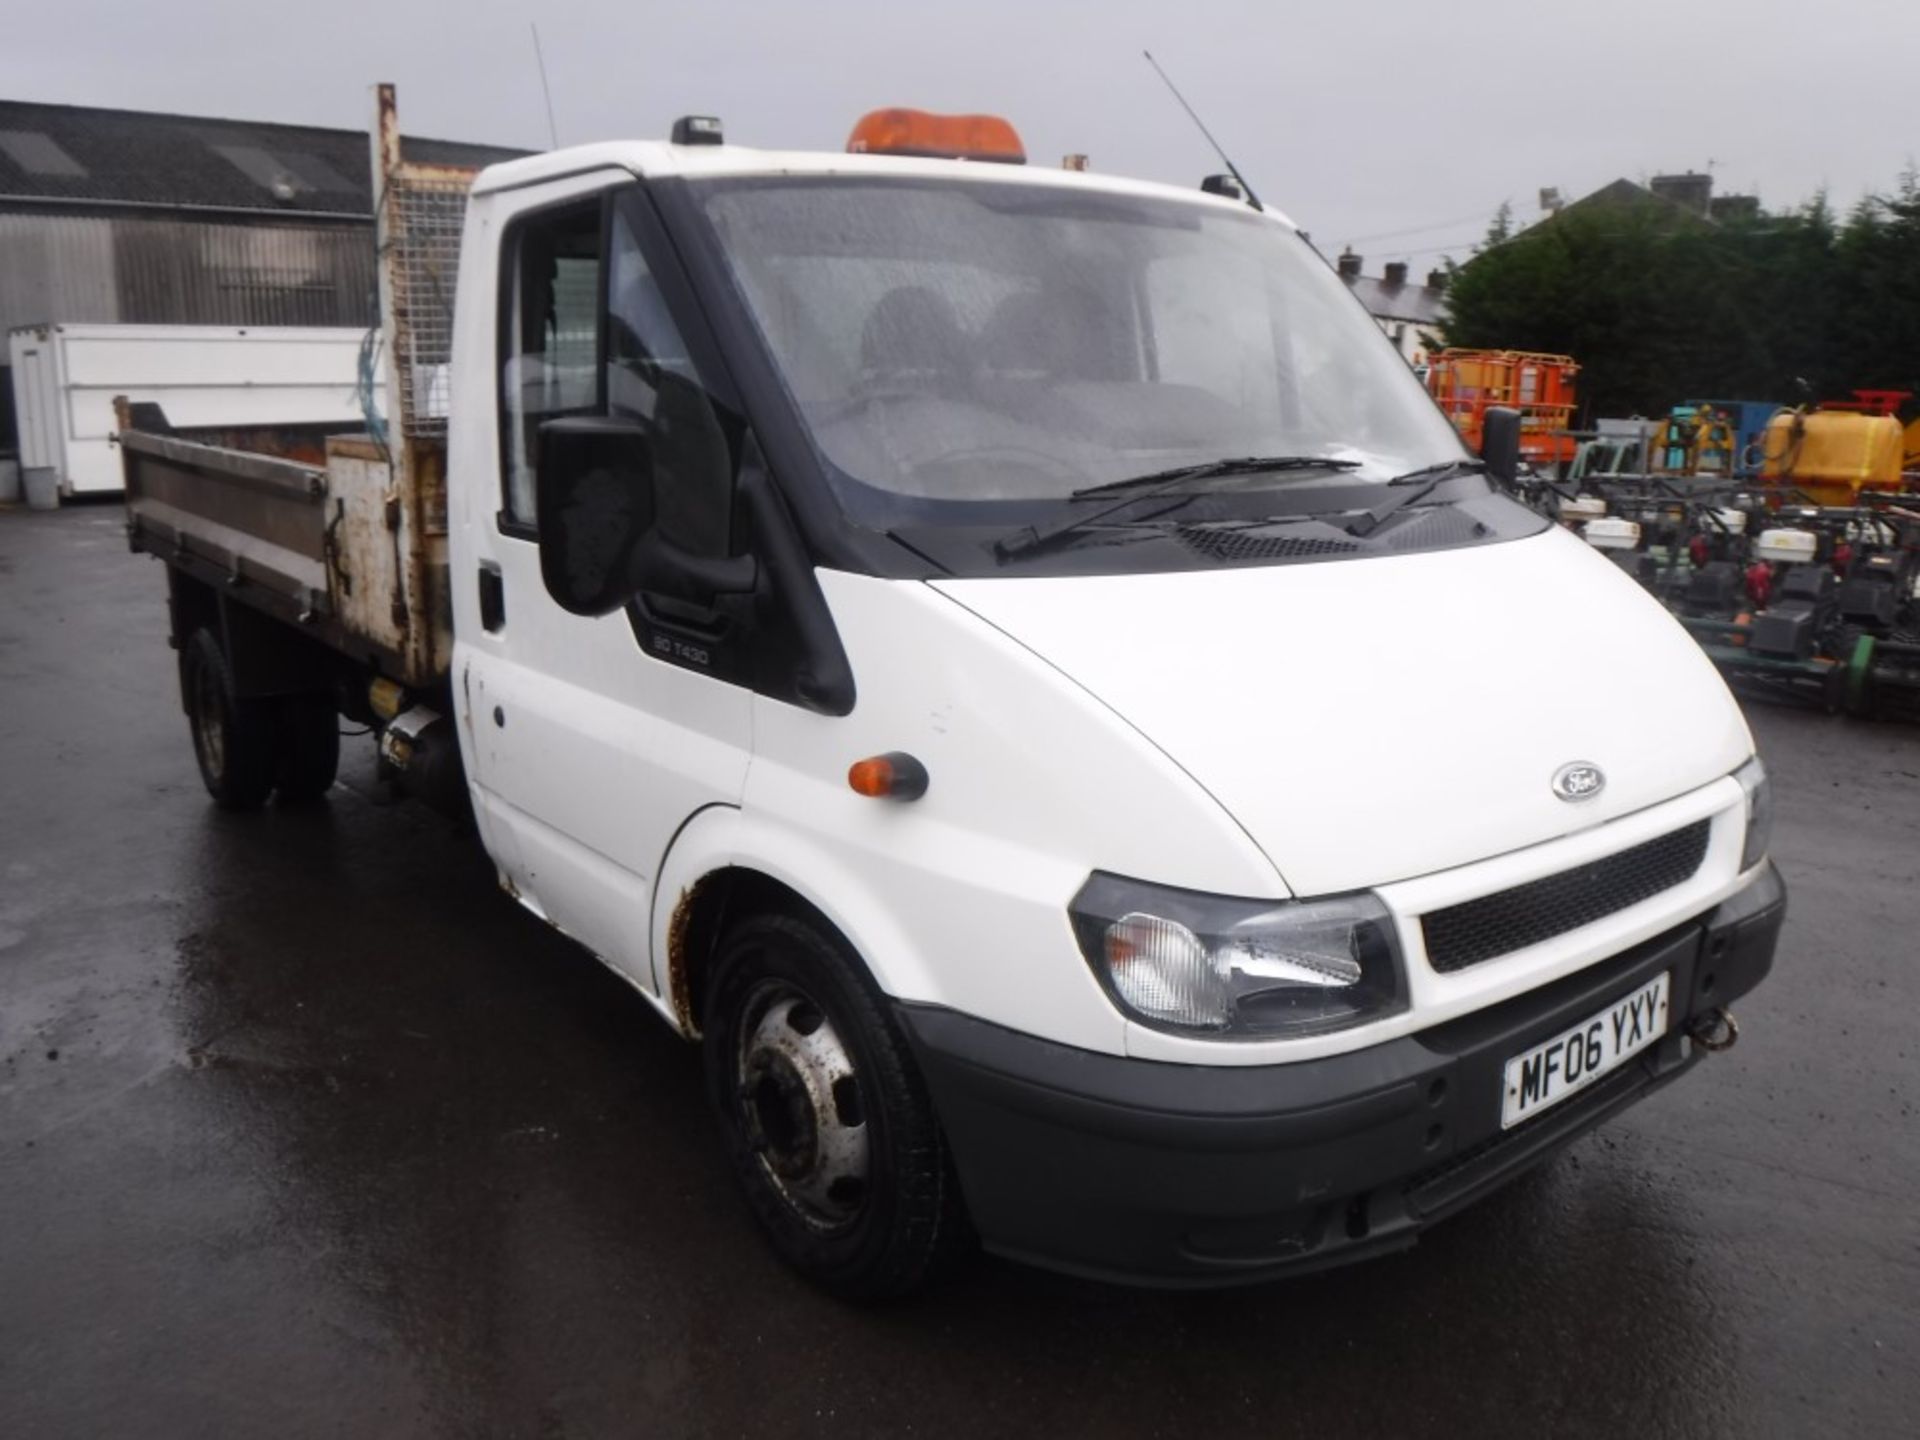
1580, 780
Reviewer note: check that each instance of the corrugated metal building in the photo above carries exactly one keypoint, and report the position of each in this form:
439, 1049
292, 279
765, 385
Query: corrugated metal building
121, 215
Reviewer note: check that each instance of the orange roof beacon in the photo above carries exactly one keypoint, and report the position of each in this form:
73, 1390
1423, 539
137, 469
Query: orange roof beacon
941, 137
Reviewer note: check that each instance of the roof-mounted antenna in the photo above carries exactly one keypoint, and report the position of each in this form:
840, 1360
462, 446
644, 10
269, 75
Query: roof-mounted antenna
539, 60
1232, 169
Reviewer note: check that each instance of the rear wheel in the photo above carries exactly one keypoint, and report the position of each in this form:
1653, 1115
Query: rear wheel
826, 1120
306, 747
233, 736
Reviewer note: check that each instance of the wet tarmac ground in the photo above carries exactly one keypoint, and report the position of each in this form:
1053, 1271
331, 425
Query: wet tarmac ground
306, 1130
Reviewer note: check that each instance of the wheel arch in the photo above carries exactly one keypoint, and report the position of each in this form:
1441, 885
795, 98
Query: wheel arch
266, 657
722, 866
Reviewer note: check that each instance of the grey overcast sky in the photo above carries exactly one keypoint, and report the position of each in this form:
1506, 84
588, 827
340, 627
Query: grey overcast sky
1399, 125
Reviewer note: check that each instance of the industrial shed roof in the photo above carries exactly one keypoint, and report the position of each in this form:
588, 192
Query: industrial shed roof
89, 157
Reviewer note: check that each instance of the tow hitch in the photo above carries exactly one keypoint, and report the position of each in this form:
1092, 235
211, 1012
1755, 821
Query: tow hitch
1714, 1031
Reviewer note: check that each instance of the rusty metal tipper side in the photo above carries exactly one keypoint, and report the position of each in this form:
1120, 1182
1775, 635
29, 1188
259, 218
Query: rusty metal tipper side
355, 550
253, 523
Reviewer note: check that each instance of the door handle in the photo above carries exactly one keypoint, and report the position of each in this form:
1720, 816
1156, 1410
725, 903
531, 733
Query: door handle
493, 598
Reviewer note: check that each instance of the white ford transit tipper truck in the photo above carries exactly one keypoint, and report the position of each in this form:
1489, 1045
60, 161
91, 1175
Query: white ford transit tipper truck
1014, 665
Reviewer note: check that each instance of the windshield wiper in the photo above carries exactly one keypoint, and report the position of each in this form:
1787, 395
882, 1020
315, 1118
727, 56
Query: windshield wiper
1423, 481
1208, 470
1156, 483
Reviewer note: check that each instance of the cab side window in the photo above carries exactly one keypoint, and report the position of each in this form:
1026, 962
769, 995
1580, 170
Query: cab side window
550, 340
652, 380
586, 329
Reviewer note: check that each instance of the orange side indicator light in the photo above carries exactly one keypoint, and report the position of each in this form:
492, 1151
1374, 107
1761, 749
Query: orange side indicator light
893, 776
941, 137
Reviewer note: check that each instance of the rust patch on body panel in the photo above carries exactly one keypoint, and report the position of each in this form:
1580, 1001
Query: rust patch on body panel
427, 473
355, 447
679, 971
423, 554
362, 579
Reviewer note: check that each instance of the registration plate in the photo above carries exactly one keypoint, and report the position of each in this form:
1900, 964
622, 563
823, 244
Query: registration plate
1572, 1060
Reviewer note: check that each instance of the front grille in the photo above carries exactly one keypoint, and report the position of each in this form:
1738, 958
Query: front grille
1476, 930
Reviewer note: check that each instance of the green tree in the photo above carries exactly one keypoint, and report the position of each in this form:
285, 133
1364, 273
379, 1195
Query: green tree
1599, 285
1499, 229
1876, 292
1661, 307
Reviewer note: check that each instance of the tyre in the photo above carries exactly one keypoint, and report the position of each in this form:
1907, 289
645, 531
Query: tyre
306, 747
825, 1117
233, 737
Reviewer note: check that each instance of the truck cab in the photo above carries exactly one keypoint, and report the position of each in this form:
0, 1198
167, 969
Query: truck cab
1012, 663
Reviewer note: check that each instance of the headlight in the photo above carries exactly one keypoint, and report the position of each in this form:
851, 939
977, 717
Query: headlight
1753, 779
1182, 961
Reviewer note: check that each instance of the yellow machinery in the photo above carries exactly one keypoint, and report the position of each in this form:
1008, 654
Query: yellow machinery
1695, 440
1832, 455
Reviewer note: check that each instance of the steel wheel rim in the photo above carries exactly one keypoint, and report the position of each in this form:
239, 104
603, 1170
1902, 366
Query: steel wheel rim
209, 715
801, 1107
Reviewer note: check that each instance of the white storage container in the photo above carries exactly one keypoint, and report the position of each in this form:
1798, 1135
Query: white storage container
65, 378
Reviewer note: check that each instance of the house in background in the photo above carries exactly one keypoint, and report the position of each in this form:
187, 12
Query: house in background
1682, 199
1407, 311
130, 217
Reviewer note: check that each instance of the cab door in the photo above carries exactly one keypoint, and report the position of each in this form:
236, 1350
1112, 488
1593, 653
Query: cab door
588, 749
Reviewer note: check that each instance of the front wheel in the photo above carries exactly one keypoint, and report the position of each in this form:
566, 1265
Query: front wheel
826, 1120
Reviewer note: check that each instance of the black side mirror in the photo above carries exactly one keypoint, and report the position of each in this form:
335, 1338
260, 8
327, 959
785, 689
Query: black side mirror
593, 503
1500, 444
600, 540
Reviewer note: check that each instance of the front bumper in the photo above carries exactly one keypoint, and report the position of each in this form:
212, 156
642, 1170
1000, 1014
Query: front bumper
1193, 1175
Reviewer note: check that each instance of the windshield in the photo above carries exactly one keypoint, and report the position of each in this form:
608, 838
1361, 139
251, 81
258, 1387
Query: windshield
992, 344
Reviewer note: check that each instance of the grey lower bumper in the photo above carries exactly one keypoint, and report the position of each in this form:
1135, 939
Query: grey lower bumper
1205, 1175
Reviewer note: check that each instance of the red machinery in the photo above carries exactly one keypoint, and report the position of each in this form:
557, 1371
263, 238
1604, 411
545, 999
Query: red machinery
1871, 402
